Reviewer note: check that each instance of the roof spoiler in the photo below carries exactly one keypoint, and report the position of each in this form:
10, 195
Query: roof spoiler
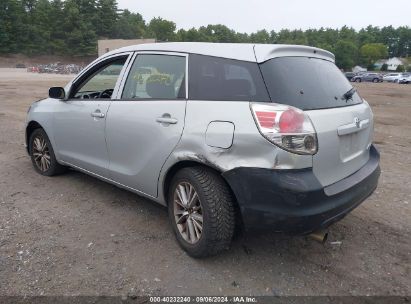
264, 52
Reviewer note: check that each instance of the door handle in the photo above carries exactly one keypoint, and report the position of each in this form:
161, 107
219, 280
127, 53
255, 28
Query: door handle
166, 119
98, 114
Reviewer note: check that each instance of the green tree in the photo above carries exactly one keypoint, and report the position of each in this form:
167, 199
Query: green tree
162, 30
400, 68
348, 34
345, 54
36, 36
107, 17
42, 30
371, 52
389, 37
129, 26
327, 37
242, 37
326, 46
384, 67
260, 37
57, 34
89, 10
81, 39
221, 33
12, 26
73, 27
404, 41
191, 35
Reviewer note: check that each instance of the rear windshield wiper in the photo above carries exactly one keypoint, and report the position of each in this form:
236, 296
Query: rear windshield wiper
348, 95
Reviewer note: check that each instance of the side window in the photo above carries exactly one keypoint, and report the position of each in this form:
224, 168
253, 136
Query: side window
156, 77
100, 82
214, 78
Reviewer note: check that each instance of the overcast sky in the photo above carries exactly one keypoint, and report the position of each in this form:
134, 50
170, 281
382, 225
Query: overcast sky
252, 15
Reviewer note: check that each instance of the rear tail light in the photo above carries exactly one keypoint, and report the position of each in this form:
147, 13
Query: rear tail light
287, 127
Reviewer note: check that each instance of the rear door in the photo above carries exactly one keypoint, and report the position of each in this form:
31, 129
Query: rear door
343, 123
146, 122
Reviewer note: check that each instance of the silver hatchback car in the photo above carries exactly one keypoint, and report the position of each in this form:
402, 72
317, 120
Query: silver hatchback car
265, 137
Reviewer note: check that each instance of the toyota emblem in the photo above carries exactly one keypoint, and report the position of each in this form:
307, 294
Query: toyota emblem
357, 122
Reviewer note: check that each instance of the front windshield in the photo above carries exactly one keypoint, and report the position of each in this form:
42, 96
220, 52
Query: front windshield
307, 83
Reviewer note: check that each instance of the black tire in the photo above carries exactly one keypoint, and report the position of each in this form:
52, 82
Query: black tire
53, 168
358, 80
217, 204
375, 80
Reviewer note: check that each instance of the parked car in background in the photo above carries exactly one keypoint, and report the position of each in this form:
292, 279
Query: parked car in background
405, 78
373, 77
349, 75
269, 137
391, 77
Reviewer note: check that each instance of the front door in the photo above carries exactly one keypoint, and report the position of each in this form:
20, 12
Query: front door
80, 120
146, 123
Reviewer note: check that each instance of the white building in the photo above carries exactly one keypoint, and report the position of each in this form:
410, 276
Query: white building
358, 69
393, 63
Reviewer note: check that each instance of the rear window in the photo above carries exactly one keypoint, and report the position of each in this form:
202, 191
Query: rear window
307, 83
214, 78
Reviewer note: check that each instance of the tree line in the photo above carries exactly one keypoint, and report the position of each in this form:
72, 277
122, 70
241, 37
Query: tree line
72, 27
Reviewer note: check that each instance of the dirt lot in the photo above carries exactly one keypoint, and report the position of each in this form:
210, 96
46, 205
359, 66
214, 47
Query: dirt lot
76, 235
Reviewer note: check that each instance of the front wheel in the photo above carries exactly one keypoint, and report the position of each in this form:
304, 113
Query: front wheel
201, 211
42, 154
358, 80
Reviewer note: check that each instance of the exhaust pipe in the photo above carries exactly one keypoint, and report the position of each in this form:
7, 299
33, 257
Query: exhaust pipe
319, 236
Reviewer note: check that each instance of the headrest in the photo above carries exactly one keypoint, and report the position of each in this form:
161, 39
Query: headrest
160, 90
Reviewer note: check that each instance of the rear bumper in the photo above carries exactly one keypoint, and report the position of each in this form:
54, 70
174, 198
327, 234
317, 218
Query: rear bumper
293, 201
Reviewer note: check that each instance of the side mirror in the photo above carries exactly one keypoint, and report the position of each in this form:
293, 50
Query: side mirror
57, 93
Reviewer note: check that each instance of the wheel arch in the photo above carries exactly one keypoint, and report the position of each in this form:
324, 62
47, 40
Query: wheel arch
192, 163
168, 176
31, 126
171, 172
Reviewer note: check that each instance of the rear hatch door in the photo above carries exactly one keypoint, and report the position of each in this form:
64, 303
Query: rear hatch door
344, 137
343, 122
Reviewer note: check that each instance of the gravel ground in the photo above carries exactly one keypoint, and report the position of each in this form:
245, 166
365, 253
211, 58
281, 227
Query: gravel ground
76, 235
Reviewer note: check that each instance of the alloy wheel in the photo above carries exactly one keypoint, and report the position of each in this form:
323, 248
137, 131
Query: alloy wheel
188, 212
41, 153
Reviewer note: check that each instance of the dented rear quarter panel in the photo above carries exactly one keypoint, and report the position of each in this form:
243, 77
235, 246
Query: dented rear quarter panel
249, 147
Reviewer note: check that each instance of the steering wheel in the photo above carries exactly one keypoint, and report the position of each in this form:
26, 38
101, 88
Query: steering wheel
106, 93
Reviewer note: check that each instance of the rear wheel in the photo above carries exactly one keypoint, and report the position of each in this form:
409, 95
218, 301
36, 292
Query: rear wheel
375, 80
42, 154
201, 210
358, 80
